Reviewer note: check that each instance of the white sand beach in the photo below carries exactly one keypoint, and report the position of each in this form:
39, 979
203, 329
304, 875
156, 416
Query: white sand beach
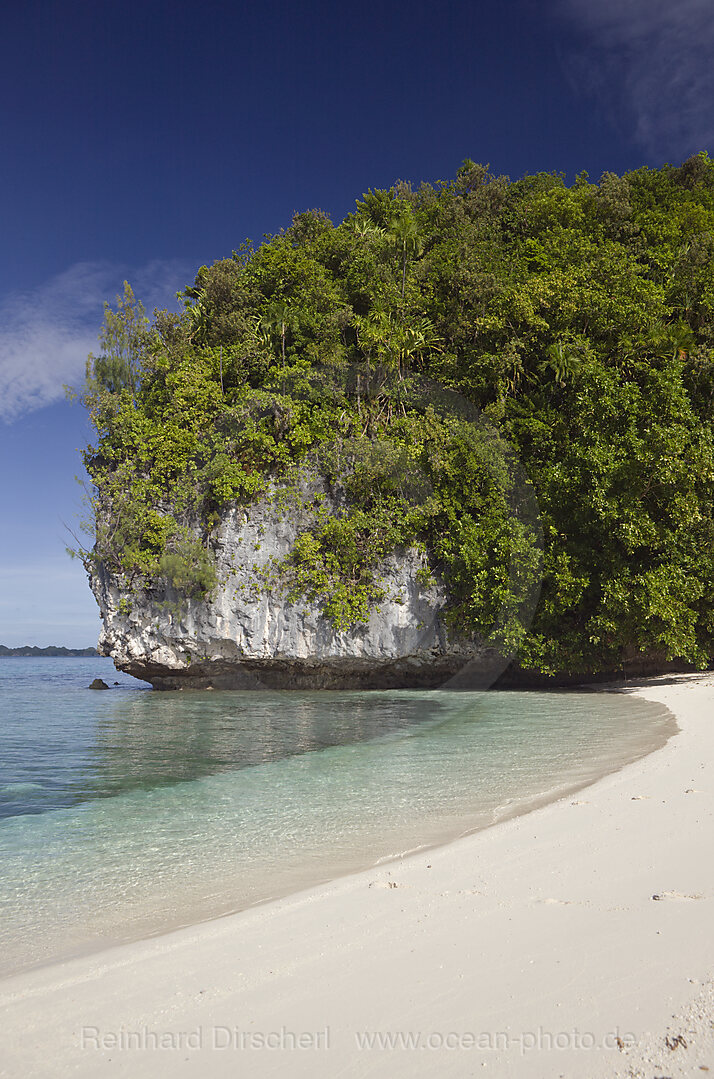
576, 941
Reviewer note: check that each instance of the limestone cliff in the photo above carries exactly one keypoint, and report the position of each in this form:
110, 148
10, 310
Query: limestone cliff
248, 634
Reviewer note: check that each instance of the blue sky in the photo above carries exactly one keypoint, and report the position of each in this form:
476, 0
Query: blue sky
140, 140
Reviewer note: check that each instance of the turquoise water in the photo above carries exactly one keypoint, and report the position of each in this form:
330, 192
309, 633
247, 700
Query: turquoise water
127, 812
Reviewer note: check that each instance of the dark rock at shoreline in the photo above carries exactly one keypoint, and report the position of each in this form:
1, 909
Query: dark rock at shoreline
98, 683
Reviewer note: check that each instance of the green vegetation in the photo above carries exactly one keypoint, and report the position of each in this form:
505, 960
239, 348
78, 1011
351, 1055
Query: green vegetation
578, 322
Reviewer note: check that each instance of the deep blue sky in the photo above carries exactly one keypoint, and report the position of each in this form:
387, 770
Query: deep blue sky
142, 139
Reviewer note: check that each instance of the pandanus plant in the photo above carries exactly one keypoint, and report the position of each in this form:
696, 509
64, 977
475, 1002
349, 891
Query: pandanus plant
663, 340
277, 321
562, 360
394, 344
404, 233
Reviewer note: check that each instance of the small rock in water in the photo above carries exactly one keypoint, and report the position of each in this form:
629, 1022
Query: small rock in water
99, 683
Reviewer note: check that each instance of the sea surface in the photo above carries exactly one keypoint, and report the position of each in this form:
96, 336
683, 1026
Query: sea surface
128, 812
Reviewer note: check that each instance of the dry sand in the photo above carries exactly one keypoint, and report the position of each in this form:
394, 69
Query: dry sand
526, 950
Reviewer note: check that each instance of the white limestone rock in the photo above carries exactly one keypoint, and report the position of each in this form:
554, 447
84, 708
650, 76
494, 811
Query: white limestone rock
249, 635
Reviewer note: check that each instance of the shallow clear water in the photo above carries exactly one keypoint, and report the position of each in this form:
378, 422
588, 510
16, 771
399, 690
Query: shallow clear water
126, 812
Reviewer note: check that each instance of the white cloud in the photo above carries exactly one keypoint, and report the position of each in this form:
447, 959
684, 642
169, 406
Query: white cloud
47, 333
652, 59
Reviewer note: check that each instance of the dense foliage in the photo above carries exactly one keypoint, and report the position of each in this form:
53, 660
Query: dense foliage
401, 353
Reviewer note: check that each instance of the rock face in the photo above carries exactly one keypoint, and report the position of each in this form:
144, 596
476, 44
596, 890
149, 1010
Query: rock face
249, 636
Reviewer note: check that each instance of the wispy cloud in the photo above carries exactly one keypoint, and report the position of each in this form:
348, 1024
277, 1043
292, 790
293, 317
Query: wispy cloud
47, 333
652, 61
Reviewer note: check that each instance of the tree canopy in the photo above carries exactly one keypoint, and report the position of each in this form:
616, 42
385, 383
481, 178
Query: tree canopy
433, 332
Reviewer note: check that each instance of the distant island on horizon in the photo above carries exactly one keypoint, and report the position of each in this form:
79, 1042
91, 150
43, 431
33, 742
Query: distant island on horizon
30, 650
